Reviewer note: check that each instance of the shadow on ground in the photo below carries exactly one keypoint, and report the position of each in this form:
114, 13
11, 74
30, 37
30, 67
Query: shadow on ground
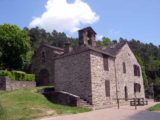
146, 115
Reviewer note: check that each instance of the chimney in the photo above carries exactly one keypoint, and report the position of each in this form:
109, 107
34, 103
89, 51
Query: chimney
87, 36
114, 42
68, 47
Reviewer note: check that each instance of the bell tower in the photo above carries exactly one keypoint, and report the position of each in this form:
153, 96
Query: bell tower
87, 36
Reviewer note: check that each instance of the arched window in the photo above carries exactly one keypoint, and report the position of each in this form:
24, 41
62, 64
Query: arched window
43, 57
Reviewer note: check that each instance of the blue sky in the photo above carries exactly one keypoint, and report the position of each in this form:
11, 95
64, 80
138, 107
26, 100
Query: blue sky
138, 19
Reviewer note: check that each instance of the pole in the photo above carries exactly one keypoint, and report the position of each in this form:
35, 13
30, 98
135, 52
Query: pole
135, 100
116, 85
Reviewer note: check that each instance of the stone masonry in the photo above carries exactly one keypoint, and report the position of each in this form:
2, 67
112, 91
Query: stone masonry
76, 71
98, 76
7, 84
43, 64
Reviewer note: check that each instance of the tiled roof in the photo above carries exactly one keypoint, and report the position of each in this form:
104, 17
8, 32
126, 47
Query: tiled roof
81, 49
88, 28
113, 49
53, 47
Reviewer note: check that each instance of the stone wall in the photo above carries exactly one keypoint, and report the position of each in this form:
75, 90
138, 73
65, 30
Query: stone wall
116, 76
38, 66
83, 74
98, 77
7, 84
63, 98
73, 75
128, 79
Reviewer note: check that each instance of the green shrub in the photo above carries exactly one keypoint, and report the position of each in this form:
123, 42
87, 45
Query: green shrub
7, 73
17, 75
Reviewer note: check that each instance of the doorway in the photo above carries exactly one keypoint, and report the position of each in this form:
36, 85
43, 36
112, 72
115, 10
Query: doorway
126, 93
43, 78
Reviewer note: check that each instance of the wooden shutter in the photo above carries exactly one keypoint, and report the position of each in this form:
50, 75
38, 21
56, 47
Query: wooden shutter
124, 67
107, 88
136, 70
105, 63
137, 87
134, 67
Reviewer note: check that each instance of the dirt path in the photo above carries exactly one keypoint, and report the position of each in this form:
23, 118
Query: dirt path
124, 113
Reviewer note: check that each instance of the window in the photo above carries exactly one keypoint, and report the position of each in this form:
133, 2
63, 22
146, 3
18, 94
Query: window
43, 57
105, 62
136, 70
107, 88
124, 67
137, 87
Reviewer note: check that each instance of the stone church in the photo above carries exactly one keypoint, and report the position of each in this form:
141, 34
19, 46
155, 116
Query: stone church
99, 76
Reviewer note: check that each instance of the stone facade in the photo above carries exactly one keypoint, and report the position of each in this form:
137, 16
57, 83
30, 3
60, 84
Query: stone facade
7, 84
83, 74
43, 64
128, 79
73, 75
98, 76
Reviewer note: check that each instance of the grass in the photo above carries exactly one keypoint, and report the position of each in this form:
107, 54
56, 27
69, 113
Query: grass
27, 104
155, 108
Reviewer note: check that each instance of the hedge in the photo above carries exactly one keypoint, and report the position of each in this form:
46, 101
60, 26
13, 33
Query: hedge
17, 75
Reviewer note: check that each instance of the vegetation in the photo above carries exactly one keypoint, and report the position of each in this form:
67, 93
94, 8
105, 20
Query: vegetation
15, 49
155, 108
104, 42
17, 75
148, 55
17, 46
27, 104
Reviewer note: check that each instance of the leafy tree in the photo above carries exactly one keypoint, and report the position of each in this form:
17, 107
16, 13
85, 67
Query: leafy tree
143, 71
58, 38
15, 49
104, 42
157, 81
39, 36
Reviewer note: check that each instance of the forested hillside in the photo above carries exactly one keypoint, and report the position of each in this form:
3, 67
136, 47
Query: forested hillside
148, 55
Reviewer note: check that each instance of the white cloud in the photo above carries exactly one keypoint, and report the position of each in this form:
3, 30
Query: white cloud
99, 37
63, 16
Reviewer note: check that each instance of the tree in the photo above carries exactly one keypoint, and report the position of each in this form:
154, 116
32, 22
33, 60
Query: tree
15, 48
145, 80
157, 81
104, 42
38, 36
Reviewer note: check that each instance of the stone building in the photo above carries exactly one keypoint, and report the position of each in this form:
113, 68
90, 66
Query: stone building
43, 64
99, 76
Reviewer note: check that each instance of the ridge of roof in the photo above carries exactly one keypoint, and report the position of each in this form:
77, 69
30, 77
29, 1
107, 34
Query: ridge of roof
100, 51
89, 27
81, 49
114, 49
53, 47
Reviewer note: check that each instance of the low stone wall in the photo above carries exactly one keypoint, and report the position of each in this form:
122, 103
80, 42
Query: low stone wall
7, 84
63, 98
66, 98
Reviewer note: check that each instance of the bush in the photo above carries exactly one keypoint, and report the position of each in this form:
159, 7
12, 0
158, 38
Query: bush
17, 75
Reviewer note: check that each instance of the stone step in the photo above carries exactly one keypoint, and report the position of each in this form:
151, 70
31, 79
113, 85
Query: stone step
84, 103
